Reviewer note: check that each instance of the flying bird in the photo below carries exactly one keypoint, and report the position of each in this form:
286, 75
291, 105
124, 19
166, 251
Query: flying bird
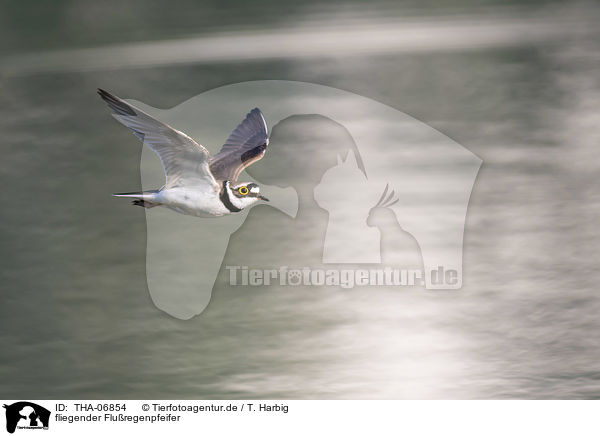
197, 183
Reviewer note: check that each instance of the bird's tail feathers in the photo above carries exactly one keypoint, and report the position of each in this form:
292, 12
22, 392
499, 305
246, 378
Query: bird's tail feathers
142, 198
144, 195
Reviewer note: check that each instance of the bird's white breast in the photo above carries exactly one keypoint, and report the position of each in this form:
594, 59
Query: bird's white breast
196, 201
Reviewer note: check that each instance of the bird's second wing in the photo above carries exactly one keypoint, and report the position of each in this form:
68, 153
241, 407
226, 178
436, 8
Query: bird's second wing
246, 144
184, 160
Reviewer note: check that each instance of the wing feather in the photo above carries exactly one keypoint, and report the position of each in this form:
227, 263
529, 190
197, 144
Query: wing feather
184, 161
246, 145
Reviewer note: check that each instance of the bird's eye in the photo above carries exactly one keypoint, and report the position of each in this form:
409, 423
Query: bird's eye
243, 190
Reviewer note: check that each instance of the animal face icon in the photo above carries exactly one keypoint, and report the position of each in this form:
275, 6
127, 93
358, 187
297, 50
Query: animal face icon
346, 194
397, 246
26, 414
381, 213
342, 185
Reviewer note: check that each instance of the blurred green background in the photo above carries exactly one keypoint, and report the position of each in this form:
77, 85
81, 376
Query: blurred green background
517, 83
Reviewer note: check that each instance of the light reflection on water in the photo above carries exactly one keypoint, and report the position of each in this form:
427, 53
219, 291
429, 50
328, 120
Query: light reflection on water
78, 320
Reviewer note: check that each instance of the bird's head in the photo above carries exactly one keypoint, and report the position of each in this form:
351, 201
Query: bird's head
243, 195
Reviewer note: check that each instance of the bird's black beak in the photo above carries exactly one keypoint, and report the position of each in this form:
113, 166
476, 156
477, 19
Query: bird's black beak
263, 198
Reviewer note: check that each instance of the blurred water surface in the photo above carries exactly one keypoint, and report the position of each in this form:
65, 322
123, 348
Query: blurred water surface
77, 320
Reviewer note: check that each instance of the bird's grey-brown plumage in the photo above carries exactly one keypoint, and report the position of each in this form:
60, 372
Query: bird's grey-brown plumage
196, 184
246, 145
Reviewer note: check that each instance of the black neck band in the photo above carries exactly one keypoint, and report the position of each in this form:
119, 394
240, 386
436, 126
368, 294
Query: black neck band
226, 200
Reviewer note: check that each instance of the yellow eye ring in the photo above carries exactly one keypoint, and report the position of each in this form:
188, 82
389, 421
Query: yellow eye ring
243, 190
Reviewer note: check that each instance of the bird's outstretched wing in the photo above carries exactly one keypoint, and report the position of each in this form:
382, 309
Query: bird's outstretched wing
184, 160
246, 145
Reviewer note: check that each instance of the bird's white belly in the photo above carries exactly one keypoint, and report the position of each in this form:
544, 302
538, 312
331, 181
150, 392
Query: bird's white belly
194, 201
